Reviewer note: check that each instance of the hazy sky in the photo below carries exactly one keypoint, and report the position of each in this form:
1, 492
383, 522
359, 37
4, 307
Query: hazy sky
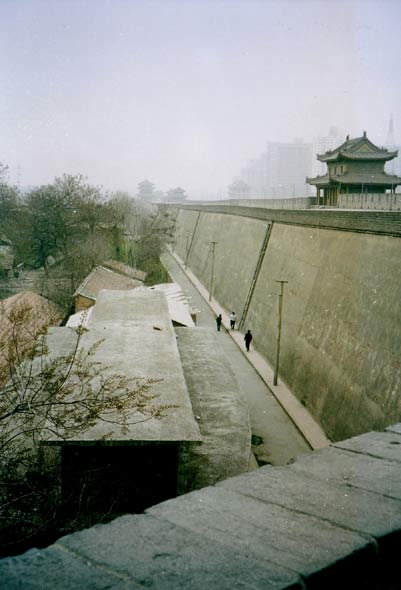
185, 92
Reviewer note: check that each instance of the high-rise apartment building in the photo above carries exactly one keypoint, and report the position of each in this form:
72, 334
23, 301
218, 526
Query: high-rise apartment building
323, 144
393, 167
280, 171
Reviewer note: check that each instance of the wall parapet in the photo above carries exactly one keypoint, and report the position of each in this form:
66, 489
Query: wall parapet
373, 201
290, 203
354, 201
331, 519
374, 222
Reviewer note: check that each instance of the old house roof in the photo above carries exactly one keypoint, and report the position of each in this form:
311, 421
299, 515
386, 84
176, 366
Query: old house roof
43, 310
359, 148
104, 278
41, 313
124, 269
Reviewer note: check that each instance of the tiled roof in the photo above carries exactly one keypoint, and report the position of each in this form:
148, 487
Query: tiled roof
124, 269
104, 278
379, 179
44, 310
359, 148
319, 180
43, 313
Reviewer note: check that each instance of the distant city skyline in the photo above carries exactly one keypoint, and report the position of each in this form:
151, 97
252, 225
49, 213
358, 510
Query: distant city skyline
280, 170
185, 93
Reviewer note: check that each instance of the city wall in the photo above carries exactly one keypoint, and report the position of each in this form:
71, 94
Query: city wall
342, 304
270, 203
356, 201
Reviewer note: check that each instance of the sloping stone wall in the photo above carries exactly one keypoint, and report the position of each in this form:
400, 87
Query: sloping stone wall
342, 306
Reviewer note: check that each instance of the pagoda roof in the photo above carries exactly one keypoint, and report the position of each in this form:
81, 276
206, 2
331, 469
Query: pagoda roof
145, 182
379, 179
319, 180
359, 148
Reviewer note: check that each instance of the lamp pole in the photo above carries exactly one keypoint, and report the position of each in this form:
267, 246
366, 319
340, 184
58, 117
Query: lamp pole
212, 271
280, 311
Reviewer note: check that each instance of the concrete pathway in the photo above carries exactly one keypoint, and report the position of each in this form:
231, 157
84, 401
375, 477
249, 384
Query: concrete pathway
282, 440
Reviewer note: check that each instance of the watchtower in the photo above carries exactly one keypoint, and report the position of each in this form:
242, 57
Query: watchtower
356, 166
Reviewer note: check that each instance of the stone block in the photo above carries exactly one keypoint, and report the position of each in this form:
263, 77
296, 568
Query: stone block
305, 544
51, 569
354, 469
394, 428
154, 553
385, 445
338, 503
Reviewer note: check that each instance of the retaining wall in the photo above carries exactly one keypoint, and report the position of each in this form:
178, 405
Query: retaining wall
342, 308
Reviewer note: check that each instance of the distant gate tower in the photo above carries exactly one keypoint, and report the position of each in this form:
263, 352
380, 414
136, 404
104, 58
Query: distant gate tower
355, 167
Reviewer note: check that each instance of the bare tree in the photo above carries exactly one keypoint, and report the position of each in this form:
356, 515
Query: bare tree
43, 395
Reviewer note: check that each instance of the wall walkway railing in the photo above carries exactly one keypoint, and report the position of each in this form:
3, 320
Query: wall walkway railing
369, 201
374, 201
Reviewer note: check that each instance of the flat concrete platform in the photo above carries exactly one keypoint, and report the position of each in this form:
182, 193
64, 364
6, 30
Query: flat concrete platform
330, 520
220, 410
137, 340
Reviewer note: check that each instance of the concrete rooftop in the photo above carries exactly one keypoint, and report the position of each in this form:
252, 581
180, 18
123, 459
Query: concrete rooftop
138, 340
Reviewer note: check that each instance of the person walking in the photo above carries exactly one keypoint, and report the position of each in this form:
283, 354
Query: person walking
233, 319
248, 338
219, 319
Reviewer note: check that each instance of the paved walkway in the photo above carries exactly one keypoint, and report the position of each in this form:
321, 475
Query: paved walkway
282, 440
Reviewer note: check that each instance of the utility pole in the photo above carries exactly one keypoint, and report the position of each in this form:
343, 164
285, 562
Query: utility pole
212, 272
187, 253
280, 311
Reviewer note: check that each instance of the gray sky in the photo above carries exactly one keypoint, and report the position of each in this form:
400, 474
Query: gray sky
185, 92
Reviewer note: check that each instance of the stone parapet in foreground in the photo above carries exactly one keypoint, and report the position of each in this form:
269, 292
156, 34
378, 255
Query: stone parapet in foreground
331, 519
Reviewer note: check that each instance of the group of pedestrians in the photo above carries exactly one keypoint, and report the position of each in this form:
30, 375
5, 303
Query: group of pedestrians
233, 318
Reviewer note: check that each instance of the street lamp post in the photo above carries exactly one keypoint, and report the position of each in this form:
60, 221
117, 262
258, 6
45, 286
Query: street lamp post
212, 270
280, 311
